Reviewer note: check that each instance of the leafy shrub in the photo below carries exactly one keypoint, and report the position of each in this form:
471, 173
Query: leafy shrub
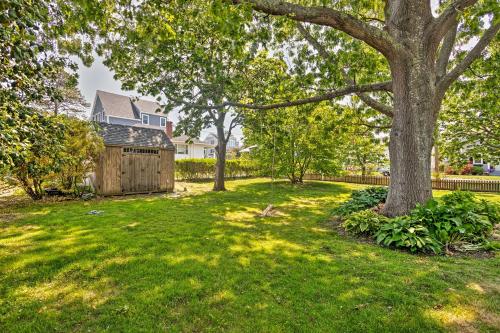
466, 170
204, 168
364, 222
363, 199
460, 217
402, 232
451, 170
477, 170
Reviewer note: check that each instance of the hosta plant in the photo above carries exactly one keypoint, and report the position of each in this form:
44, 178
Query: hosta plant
364, 222
402, 232
363, 199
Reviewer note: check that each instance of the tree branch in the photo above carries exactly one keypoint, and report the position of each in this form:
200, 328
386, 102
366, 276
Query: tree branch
232, 125
473, 54
445, 52
373, 36
371, 102
380, 86
448, 18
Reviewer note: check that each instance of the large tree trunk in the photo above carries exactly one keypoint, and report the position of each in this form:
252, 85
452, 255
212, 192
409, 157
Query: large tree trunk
415, 114
220, 165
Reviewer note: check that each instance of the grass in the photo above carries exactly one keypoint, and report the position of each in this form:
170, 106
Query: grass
205, 262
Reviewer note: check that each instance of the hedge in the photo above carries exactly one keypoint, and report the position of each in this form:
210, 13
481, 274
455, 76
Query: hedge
204, 168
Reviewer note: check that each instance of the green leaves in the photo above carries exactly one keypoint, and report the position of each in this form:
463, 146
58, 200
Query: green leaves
404, 233
364, 222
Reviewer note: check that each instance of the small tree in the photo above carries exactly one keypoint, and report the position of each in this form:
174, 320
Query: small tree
81, 147
363, 151
59, 148
292, 141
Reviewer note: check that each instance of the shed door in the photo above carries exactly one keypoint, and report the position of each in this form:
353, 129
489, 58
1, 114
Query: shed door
140, 170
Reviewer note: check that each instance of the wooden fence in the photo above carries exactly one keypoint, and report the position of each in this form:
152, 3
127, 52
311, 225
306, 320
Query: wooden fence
475, 185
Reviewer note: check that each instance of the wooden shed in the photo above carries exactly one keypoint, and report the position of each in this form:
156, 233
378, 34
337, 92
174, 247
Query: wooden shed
135, 160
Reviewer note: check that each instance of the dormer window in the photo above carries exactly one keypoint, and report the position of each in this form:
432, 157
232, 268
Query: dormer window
145, 119
163, 122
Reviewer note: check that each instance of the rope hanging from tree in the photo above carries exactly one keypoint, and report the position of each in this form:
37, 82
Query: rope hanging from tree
268, 211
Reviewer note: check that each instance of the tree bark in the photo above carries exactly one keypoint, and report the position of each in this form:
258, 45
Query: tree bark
220, 165
415, 110
436, 158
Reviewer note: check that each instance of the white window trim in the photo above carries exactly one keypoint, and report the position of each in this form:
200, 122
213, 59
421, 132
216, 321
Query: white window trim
142, 118
181, 144
161, 120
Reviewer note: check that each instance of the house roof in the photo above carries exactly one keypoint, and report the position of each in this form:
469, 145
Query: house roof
147, 106
133, 136
186, 139
123, 106
116, 105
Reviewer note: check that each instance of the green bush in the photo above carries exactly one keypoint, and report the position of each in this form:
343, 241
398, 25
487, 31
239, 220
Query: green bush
204, 168
363, 199
364, 222
477, 170
402, 232
460, 217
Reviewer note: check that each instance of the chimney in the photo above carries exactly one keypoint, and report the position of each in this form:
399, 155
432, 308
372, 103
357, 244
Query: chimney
168, 129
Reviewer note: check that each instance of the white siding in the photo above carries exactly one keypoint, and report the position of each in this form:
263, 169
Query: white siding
194, 151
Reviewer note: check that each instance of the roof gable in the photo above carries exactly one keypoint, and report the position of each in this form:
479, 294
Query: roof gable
116, 105
123, 106
147, 106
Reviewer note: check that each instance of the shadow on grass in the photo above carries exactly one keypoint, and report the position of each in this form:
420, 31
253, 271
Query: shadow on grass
207, 263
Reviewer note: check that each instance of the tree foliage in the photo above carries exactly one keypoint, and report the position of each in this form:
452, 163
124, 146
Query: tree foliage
36, 37
60, 150
398, 57
67, 98
470, 122
291, 141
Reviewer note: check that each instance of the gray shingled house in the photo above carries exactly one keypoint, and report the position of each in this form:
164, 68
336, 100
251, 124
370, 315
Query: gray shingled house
135, 160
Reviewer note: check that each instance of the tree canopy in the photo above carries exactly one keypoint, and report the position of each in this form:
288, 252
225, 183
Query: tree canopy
399, 57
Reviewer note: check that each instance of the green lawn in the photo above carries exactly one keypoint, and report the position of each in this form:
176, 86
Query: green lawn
205, 262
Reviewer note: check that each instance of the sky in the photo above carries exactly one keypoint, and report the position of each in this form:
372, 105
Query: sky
99, 77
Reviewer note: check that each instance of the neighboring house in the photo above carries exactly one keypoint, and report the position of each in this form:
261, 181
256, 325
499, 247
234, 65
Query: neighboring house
135, 160
186, 147
122, 110
488, 168
232, 143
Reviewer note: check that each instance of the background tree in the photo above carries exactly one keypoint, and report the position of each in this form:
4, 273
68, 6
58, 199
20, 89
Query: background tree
170, 50
364, 152
291, 141
470, 121
67, 98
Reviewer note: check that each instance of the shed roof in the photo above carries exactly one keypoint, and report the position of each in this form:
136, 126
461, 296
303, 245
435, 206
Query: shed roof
133, 136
